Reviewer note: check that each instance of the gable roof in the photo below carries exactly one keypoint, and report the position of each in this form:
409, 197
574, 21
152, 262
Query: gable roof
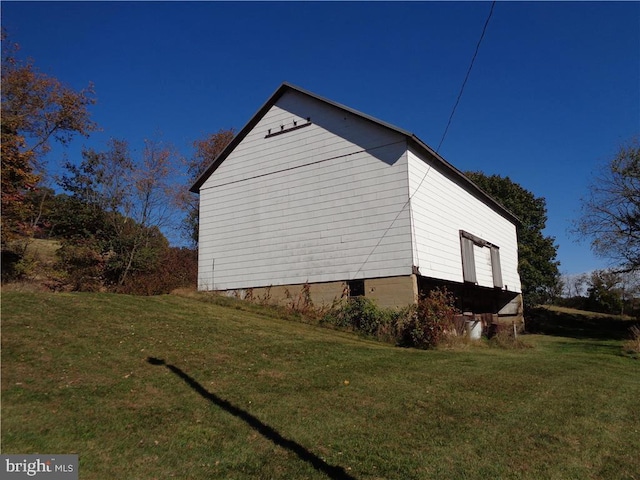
412, 140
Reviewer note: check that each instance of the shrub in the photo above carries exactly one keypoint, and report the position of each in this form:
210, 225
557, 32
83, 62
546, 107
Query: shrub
360, 314
427, 323
177, 268
25, 268
423, 325
504, 338
83, 264
15, 263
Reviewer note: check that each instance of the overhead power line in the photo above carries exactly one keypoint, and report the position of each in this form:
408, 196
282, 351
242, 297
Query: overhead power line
484, 29
475, 54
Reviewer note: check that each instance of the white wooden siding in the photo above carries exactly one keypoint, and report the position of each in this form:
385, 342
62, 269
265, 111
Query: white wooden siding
440, 208
325, 202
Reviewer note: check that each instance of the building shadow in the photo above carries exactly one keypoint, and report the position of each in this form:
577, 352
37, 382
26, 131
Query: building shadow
334, 472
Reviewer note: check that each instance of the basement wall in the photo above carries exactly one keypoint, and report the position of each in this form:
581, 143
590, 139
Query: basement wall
387, 292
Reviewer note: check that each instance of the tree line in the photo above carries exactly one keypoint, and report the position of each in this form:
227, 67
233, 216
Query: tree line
111, 206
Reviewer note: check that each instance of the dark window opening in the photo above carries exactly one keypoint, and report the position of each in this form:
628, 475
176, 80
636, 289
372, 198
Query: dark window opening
356, 288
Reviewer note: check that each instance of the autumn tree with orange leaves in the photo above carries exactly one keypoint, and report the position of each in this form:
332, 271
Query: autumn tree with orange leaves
36, 110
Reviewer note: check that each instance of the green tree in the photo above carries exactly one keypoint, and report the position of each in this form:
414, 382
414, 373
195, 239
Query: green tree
68, 217
611, 213
605, 292
36, 109
537, 264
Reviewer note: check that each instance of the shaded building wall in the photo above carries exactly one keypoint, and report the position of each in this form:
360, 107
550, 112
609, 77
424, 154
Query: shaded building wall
505, 306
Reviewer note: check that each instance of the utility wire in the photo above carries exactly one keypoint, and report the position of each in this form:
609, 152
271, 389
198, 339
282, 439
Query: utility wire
467, 76
484, 29
275, 172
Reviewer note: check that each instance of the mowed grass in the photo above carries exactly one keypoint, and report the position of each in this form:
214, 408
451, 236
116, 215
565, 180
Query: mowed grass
171, 387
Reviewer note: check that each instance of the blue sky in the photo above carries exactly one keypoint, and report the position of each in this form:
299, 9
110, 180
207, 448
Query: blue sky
554, 91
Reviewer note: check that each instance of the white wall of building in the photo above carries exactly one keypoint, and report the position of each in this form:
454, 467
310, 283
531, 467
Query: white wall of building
325, 202
440, 208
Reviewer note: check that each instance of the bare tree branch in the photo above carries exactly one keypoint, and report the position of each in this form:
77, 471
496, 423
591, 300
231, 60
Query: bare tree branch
611, 213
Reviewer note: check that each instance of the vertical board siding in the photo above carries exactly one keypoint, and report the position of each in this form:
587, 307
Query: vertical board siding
322, 203
484, 270
496, 267
440, 208
468, 260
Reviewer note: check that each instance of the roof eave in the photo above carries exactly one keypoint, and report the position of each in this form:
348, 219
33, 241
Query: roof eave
466, 180
195, 188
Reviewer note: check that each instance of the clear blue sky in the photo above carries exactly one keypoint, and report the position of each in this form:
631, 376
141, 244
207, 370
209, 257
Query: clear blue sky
554, 91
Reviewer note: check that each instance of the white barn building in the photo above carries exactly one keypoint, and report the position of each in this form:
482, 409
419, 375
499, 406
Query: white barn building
313, 192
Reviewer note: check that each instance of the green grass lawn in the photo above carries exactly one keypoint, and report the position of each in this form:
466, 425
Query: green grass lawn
171, 387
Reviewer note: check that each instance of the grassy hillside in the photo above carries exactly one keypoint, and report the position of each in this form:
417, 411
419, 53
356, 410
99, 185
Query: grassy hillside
570, 322
37, 268
171, 387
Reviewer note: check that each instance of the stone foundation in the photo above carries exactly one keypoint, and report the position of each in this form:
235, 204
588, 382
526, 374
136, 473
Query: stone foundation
502, 307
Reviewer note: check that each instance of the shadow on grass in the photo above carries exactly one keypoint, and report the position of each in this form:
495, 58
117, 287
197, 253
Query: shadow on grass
337, 473
541, 320
596, 346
